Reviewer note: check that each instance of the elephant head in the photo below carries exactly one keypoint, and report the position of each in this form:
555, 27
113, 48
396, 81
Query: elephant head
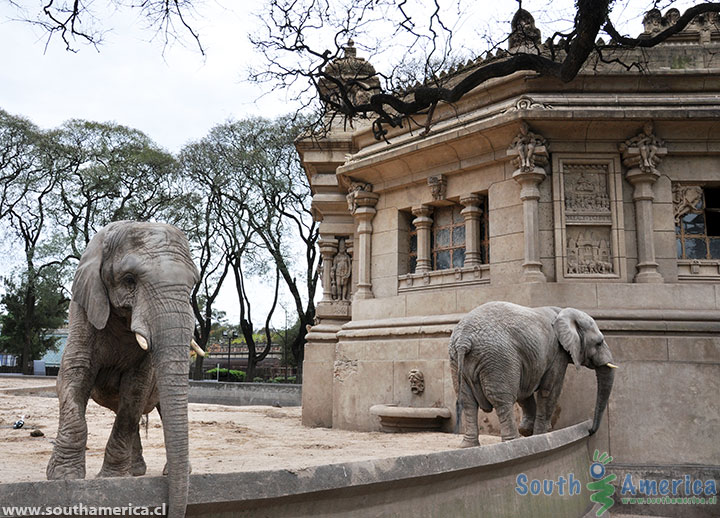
136, 278
579, 335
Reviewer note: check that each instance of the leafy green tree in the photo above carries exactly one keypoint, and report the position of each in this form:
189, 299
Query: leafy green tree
30, 312
33, 174
110, 173
267, 192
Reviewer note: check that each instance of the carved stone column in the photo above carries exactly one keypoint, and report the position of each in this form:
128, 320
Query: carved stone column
328, 249
472, 214
423, 223
641, 155
361, 202
532, 157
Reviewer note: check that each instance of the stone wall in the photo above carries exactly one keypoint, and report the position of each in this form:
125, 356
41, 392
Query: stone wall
245, 394
469, 482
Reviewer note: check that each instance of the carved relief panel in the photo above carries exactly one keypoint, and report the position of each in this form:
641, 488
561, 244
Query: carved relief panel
589, 240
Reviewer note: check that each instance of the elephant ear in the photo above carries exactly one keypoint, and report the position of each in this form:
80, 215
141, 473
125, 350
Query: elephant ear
566, 330
88, 289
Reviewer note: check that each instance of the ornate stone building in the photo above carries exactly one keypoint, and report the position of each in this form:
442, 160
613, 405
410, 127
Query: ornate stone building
601, 194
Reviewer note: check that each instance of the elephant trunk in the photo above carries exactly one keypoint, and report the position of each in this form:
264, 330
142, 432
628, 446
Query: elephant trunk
605, 377
170, 357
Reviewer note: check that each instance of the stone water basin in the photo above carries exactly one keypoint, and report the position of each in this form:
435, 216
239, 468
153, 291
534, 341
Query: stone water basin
398, 419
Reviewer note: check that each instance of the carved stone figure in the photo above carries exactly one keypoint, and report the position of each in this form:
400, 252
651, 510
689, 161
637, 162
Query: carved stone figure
438, 185
502, 353
648, 145
131, 325
356, 187
341, 270
525, 145
417, 381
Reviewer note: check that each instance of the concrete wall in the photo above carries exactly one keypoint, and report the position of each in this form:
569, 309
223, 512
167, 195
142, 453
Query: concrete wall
478, 482
244, 394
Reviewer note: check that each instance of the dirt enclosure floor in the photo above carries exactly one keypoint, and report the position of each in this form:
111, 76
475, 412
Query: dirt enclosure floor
223, 439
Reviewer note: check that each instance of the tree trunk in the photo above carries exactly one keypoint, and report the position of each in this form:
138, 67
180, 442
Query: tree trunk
27, 358
198, 368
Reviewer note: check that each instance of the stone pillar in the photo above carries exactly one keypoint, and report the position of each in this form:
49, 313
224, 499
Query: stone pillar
641, 155
361, 202
532, 156
328, 249
423, 223
472, 214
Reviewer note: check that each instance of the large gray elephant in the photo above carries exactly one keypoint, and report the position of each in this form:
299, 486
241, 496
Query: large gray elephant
502, 353
130, 330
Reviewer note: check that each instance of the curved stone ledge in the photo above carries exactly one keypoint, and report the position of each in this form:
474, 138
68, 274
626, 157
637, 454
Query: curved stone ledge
471, 482
611, 320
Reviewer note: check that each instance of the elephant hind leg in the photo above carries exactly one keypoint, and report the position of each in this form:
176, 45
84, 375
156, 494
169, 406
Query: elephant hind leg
528, 420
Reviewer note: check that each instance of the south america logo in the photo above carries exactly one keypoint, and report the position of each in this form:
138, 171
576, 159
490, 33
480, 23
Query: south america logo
601, 487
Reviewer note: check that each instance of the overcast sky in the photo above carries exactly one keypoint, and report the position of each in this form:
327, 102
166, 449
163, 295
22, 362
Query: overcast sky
174, 94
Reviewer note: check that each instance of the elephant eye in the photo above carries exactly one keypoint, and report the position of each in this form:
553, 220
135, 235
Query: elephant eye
129, 281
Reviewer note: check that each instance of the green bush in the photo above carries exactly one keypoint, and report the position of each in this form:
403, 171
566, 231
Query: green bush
235, 375
281, 379
258, 379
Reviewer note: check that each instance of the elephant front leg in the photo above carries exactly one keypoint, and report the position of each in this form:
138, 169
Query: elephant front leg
548, 395
74, 383
123, 452
67, 460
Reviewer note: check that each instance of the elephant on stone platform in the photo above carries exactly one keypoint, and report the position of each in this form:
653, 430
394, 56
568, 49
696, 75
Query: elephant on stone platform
502, 353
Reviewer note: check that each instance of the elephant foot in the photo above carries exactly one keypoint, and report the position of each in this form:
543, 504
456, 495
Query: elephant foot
106, 472
510, 437
525, 429
469, 443
138, 468
66, 470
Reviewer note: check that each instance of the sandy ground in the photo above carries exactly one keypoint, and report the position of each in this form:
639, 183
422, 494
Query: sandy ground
223, 439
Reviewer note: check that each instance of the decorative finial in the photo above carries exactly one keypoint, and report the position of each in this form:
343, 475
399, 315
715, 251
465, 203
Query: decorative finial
350, 50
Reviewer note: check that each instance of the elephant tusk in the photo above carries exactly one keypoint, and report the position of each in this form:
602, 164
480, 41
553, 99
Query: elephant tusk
196, 347
141, 341
611, 365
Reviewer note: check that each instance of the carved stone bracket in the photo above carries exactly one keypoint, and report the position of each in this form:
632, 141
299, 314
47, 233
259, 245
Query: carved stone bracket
356, 191
644, 151
438, 186
530, 150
